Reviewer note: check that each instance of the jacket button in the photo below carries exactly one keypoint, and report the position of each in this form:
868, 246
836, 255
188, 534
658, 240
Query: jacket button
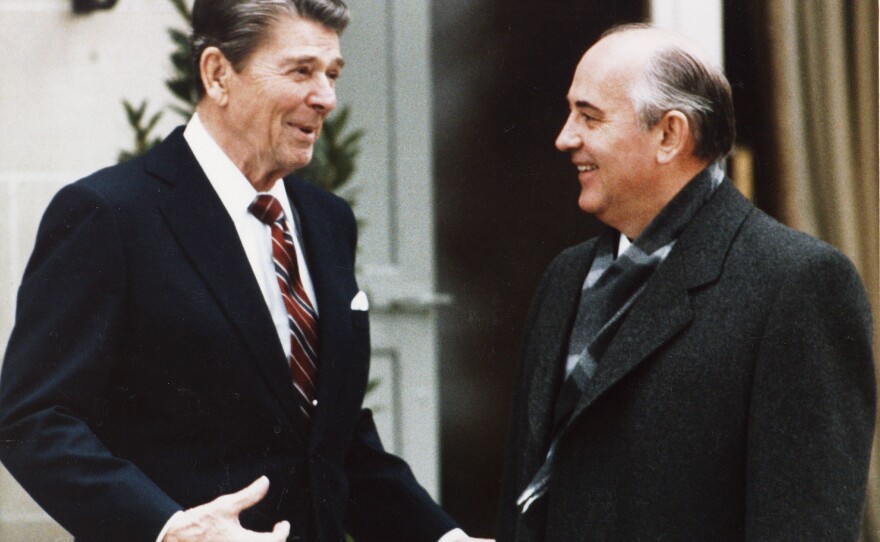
277, 429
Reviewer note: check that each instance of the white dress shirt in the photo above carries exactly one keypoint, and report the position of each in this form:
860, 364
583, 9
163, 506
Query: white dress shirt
237, 193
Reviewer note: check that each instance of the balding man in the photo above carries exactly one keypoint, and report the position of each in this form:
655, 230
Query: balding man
698, 371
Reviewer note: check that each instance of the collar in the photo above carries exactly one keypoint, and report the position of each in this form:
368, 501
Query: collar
710, 179
622, 245
235, 191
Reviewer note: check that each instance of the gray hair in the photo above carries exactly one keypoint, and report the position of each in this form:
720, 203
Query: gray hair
675, 79
239, 27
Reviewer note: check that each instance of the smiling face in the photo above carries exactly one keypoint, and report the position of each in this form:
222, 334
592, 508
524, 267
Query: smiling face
273, 107
614, 156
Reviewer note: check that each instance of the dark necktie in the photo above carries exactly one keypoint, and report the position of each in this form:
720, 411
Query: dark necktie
301, 315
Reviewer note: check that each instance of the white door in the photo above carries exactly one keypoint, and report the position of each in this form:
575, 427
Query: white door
386, 82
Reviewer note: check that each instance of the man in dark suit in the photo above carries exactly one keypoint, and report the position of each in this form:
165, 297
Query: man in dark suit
189, 322
698, 371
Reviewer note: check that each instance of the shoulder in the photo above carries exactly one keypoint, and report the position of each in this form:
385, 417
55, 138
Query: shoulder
119, 186
309, 195
147, 178
785, 250
796, 269
105, 189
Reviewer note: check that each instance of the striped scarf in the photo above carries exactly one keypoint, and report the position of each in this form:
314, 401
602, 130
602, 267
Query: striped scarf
610, 289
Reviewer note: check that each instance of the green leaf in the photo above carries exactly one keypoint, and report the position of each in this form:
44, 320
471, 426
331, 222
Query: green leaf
333, 161
185, 113
342, 117
372, 384
153, 121
182, 10
143, 139
181, 63
179, 37
134, 114
351, 140
182, 90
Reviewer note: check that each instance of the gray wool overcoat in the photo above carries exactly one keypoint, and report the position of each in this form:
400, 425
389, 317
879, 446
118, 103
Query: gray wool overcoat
736, 402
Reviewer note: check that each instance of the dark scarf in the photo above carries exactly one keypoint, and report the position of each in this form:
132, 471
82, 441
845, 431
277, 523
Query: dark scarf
610, 289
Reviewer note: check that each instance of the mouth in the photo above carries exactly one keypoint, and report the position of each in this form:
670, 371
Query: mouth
310, 132
586, 168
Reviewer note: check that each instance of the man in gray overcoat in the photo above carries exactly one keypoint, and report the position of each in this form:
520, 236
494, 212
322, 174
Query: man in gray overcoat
698, 371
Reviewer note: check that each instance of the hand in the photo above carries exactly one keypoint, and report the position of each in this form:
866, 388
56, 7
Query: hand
217, 521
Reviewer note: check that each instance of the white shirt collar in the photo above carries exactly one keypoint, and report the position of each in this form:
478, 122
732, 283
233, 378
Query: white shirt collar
235, 191
623, 244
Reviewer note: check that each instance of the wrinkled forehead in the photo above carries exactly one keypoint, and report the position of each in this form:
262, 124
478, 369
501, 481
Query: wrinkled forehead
606, 73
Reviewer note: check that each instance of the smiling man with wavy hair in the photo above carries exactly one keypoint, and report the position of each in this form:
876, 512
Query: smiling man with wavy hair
191, 348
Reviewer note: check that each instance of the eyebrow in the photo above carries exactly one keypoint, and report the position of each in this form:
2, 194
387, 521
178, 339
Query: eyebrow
338, 61
584, 104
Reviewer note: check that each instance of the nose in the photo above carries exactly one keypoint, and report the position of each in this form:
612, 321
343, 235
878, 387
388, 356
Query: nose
323, 97
568, 139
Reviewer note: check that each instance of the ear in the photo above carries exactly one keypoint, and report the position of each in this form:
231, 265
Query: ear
675, 136
215, 71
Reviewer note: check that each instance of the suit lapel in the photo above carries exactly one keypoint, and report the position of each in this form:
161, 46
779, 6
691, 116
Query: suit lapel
331, 273
664, 308
205, 231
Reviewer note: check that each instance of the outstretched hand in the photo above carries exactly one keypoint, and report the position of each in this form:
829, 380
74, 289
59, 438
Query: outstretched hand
217, 521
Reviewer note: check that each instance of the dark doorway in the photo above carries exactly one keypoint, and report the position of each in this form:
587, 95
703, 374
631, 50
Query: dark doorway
746, 67
506, 204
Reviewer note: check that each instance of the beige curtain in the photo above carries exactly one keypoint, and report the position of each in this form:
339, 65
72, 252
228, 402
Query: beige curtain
823, 68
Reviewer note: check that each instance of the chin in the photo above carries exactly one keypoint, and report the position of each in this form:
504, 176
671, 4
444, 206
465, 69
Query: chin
589, 204
299, 160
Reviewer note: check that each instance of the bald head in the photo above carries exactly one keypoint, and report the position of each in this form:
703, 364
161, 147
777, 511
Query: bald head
667, 71
649, 39
647, 113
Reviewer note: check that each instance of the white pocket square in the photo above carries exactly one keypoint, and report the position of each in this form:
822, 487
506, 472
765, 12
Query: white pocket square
360, 302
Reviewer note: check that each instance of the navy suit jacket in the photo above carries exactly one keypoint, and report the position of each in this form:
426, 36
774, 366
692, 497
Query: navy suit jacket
144, 374
735, 402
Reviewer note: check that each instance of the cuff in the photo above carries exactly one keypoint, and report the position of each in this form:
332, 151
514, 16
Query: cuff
164, 530
451, 536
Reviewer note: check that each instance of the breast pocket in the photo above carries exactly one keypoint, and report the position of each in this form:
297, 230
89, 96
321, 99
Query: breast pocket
360, 320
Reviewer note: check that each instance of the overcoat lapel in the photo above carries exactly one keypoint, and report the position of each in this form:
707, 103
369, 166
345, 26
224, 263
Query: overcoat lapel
664, 309
205, 231
548, 344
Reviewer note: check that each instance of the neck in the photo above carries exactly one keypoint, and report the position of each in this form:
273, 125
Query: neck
245, 159
667, 187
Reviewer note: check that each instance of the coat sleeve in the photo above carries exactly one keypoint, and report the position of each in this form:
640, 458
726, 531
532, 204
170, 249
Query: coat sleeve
509, 520
57, 369
387, 503
812, 408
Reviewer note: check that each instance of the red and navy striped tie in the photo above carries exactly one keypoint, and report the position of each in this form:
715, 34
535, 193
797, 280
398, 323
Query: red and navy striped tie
301, 315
